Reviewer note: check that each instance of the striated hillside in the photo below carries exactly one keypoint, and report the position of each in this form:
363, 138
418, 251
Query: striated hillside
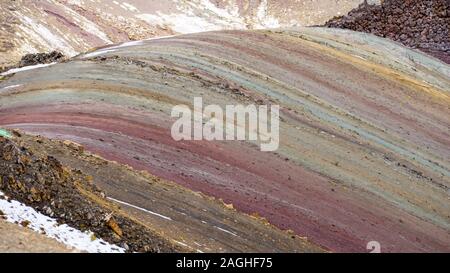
364, 151
78, 188
73, 26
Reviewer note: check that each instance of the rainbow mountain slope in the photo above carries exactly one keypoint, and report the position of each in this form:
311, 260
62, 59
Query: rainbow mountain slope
365, 142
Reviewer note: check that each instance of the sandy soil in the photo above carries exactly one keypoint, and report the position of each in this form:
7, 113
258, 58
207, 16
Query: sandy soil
17, 239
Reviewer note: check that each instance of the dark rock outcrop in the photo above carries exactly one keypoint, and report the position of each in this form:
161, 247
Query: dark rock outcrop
421, 24
40, 58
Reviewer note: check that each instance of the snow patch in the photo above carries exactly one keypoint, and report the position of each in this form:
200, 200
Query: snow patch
17, 212
161, 37
11, 86
263, 17
25, 68
226, 231
97, 53
224, 16
87, 25
203, 15
40, 34
127, 44
142, 209
180, 23
181, 243
129, 7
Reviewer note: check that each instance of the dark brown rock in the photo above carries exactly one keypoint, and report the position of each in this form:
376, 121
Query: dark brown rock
422, 24
40, 58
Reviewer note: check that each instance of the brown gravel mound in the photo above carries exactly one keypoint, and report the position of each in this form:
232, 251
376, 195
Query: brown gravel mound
40, 58
421, 24
36, 58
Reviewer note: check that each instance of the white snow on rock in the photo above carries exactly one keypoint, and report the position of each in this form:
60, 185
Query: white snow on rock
97, 53
17, 212
130, 7
25, 68
122, 45
180, 23
189, 20
264, 19
87, 24
11, 86
41, 34
226, 231
161, 37
141, 209
126, 44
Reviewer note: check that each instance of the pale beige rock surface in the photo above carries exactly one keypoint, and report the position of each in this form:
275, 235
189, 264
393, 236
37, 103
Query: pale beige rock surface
17, 239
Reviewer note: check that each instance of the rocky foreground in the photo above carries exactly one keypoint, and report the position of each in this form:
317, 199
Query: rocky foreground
62, 181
